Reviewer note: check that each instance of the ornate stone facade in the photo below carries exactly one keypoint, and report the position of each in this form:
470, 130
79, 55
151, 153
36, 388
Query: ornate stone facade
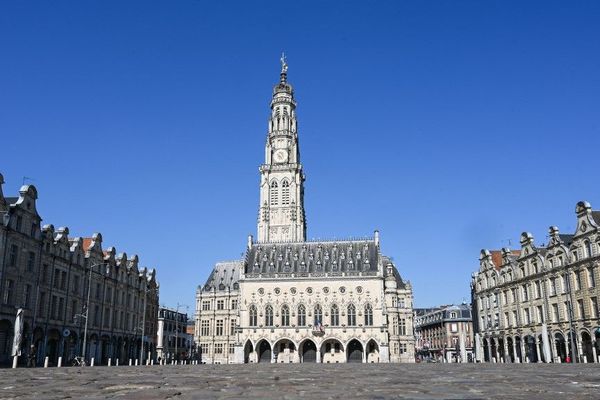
444, 333
47, 274
291, 300
540, 303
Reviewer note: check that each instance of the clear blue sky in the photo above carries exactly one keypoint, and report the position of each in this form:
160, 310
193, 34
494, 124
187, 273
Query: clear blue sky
450, 126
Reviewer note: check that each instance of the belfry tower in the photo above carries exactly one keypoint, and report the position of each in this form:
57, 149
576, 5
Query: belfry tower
281, 212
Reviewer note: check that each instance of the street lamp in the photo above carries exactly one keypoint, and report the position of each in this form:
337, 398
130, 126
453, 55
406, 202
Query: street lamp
146, 290
86, 314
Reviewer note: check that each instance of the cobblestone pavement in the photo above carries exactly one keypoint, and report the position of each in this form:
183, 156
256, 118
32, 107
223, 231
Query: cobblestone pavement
308, 381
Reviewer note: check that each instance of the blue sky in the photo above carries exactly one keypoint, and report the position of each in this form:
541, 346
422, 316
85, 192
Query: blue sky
450, 126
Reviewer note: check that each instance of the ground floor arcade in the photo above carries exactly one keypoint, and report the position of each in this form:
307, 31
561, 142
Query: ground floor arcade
53, 343
530, 347
327, 350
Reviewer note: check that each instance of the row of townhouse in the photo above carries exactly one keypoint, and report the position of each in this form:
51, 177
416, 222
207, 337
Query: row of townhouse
540, 303
66, 286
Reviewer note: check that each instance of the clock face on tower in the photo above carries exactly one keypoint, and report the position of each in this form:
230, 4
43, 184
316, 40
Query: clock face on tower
281, 156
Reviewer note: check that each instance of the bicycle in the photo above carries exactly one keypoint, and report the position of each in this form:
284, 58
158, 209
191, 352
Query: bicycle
79, 362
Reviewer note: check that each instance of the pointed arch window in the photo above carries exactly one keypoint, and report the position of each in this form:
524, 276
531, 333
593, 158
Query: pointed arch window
335, 315
274, 195
351, 315
253, 316
285, 193
269, 316
285, 316
301, 315
318, 315
368, 315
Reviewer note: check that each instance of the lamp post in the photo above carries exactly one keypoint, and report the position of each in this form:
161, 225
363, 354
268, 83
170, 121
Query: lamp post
86, 314
146, 290
570, 315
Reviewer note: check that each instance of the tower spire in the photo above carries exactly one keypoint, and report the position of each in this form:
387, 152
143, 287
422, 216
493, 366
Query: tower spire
281, 207
284, 68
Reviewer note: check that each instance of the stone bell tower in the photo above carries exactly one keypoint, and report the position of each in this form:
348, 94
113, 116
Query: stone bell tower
281, 212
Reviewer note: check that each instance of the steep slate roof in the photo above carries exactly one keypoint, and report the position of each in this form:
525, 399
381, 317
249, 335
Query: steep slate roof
596, 216
225, 274
567, 239
312, 257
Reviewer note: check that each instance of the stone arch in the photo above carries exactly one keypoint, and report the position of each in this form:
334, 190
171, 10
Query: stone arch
52, 345
308, 351
531, 352
332, 351
6, 334
354, 351
372, 349
486, 350
70, 347
264, 351
587, 347
285, 350
249, 355
561, 346
510, 350
520, 355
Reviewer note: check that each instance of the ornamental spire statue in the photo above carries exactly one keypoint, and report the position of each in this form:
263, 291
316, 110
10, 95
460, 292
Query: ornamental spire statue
284, 68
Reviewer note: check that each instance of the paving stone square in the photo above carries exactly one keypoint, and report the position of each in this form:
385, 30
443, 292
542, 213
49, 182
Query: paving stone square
306, 381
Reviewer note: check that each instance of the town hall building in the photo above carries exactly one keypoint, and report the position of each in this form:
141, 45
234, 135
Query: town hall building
291, 300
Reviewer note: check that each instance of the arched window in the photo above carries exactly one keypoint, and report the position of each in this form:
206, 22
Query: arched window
588, 248
274, 193
253, 316
301, 315
285, 193
269, 316
335, 315
318, 315
368, 315
285, 316
351, 315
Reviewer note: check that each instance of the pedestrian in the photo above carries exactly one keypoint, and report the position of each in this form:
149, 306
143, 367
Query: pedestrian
31, 356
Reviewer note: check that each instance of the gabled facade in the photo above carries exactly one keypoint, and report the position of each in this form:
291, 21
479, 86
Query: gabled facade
540, 303
47, 273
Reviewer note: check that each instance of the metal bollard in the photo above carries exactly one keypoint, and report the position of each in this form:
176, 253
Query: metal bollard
152, 362
117, 362
136, 362
92, 362
109, 362
46, 362
59, 362
15, 361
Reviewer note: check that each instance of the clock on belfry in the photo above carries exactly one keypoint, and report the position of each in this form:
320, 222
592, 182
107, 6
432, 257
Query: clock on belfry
281, 156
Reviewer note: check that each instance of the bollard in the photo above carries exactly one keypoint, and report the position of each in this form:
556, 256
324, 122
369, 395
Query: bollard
46, 362
152, 362
117, 362
59, 362
136, 362
130, 362
92, 362
109, 362
15, 361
